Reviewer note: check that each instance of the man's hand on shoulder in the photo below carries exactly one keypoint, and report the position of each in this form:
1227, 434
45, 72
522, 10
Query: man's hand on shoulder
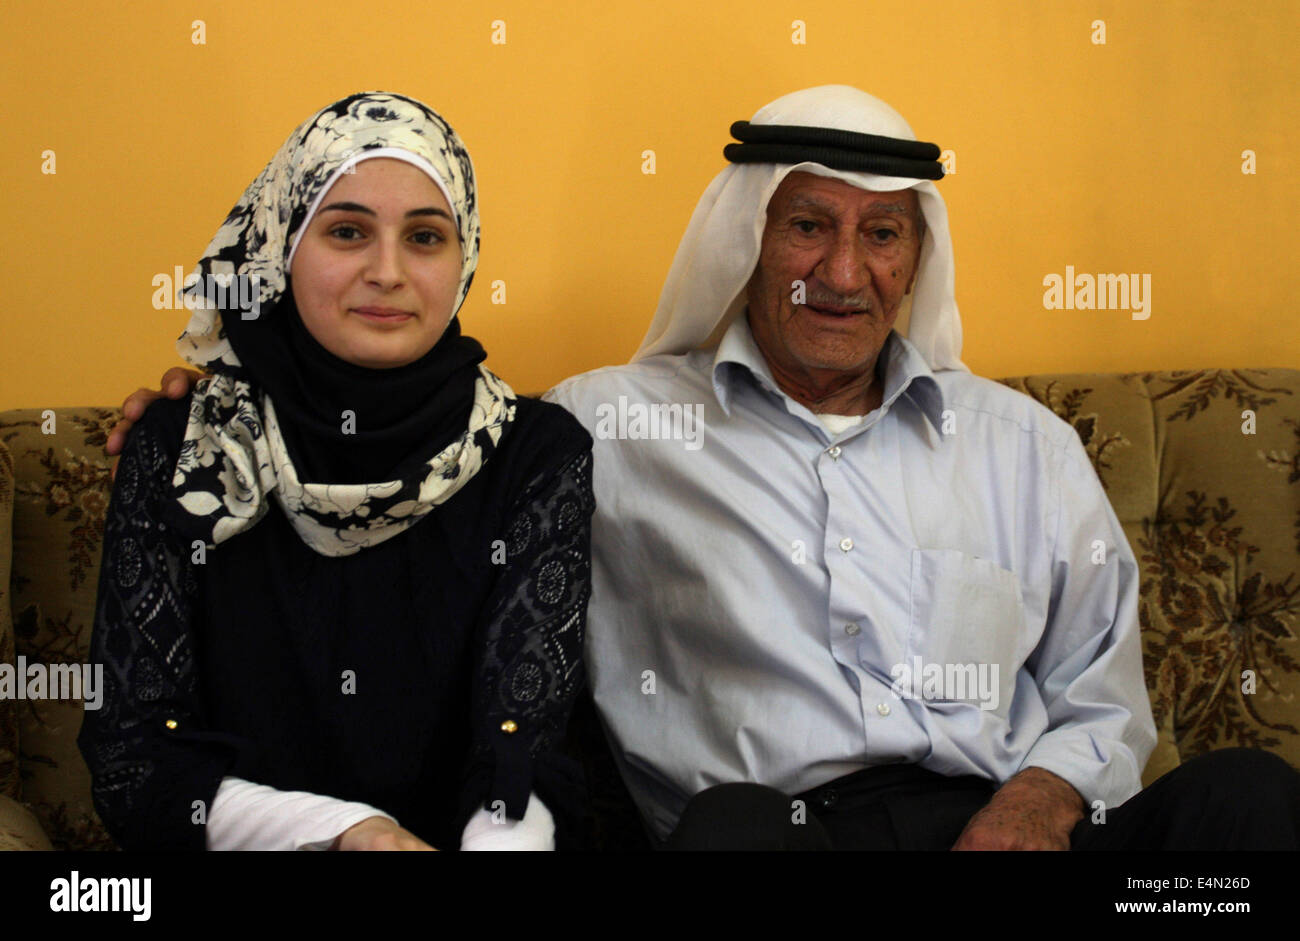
1035, 810
176, 384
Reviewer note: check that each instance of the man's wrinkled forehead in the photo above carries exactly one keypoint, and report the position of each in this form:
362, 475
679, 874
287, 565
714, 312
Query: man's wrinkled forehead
801, 191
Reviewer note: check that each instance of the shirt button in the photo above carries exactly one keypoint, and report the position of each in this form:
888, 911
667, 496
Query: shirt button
509, 726
846, 543
171, 724
851, 629
834, 452
882, 708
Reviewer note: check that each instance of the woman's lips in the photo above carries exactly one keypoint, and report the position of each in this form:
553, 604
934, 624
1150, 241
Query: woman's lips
389, 315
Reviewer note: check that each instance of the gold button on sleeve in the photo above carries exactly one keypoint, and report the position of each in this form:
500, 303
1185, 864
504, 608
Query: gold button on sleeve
171, 724
509, 726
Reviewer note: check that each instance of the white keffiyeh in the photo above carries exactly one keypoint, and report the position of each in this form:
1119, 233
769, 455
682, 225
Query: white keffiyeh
705, 288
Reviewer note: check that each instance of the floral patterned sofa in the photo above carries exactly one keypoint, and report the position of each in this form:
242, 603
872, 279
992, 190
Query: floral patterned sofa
1203, 469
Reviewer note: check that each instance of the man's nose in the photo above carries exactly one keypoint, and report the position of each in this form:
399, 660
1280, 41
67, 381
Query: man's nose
843, 268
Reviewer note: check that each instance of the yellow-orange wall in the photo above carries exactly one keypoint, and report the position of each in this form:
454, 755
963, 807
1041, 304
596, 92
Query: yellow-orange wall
1123, 157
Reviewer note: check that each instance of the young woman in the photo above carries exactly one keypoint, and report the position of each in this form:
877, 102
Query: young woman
343, 588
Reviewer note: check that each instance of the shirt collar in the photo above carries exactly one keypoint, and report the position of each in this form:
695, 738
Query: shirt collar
906, 371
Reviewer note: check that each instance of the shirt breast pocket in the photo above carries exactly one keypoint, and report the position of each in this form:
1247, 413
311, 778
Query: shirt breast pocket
966, 612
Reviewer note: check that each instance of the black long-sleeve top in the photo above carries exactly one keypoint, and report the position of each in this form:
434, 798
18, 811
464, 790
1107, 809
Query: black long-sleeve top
428, 676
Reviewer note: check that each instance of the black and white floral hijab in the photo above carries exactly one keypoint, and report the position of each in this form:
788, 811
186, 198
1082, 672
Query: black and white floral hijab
234, 459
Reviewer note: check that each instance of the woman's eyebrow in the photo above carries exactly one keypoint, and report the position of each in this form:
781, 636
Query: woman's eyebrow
357, 207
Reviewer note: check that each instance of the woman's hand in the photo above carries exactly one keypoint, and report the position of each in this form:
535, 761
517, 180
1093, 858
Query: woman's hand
378, 833
176, 384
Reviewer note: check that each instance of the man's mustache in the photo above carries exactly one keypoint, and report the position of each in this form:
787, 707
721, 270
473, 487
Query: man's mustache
820, 297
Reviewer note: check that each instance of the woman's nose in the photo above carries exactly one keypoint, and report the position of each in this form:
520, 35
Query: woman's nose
385, 267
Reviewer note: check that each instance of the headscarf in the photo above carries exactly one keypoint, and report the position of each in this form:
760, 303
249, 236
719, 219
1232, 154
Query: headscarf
270, 421
705, 290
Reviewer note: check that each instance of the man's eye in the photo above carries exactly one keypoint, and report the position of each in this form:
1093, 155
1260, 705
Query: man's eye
806, 226
884, 235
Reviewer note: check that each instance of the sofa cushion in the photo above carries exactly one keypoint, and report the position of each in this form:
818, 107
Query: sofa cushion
61, 490
19, 828
1203, 470
1221, 590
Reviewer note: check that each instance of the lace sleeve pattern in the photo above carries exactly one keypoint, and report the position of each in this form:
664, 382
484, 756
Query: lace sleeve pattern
531, 670
154, 769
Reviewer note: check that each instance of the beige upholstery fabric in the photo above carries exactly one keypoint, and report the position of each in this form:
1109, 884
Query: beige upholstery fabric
19, 828
1202, 470
62, 485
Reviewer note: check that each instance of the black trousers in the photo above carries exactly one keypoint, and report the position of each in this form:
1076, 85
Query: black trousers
1234, 798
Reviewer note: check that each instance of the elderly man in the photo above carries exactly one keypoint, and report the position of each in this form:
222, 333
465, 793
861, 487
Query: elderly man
846, 593
861, 508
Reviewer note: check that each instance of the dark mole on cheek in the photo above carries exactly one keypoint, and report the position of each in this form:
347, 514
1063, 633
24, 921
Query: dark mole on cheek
895, 273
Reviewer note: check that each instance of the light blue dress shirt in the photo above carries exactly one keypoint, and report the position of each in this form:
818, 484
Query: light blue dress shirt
762, 591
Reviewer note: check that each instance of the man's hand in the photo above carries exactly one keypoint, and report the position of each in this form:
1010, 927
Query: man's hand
176, 383
1035, 810
378, 833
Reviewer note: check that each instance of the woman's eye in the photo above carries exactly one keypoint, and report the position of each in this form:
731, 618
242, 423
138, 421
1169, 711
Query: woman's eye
340, 231
428, 237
